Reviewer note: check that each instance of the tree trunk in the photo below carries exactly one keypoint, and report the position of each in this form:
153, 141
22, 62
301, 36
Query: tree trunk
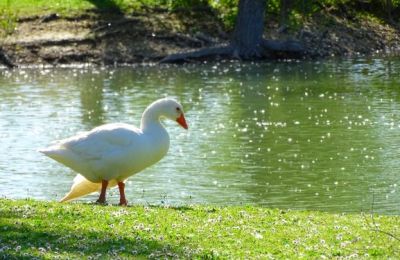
248, 34
5, 60
247, 41
284, 8
389, 9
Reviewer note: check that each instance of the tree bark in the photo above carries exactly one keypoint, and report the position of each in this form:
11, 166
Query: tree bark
5, 60
284, 7
389, 9
247, 40
223, 51
249, 27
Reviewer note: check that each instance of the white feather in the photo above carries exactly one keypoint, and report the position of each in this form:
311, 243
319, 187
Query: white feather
113, 152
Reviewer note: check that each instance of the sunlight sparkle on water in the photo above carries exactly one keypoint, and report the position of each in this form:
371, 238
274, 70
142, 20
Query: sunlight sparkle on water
311, 135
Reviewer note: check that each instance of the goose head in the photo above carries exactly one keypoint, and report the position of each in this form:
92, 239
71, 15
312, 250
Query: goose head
167, 108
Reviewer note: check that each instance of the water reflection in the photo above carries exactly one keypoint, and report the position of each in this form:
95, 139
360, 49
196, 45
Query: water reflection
314, 135
92, 98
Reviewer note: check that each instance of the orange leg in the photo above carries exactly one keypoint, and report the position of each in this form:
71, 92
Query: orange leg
102, 197
122, 199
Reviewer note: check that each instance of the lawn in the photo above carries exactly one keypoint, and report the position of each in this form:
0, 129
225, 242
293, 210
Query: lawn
49, 229
68, 7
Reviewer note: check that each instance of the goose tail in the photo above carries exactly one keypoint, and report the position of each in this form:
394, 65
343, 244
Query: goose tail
80, 187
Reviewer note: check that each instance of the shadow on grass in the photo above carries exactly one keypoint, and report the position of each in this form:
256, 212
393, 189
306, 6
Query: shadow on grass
115, 33
22, 241
26, 232
106, 5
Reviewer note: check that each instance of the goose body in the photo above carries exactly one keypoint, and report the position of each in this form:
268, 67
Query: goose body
109, 154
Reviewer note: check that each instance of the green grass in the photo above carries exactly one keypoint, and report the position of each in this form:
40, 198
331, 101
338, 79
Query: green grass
40, 7
50, 229
69, 7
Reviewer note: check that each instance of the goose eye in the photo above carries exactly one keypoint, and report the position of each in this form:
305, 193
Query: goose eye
178, 109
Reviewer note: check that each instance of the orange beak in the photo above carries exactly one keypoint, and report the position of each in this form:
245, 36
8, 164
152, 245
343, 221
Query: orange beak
182, 121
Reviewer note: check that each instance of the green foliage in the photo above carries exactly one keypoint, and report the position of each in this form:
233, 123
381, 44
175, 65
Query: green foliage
227, 11
32, 229
302, 9
41, 7
8, 20
174, 4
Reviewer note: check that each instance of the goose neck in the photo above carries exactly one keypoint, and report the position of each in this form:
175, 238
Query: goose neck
150, 119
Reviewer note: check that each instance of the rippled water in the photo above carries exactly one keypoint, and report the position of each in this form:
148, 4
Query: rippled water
304, 135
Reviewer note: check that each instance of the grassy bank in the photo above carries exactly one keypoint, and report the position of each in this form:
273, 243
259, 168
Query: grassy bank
67, 8
47, 230
110, 32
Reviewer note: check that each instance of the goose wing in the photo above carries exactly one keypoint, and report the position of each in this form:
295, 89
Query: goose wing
96, 154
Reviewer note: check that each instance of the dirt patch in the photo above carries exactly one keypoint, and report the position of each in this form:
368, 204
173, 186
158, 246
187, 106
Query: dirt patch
332, 35
113, 38
104, 38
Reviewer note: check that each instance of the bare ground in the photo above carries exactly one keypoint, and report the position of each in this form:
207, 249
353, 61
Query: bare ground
109, 38
97, 37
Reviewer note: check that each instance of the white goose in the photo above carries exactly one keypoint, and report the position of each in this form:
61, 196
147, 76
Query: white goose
107, 155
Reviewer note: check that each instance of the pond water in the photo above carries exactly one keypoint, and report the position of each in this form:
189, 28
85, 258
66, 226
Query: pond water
300, 135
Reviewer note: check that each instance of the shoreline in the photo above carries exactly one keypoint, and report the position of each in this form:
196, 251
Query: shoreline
114, 39
194, 63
